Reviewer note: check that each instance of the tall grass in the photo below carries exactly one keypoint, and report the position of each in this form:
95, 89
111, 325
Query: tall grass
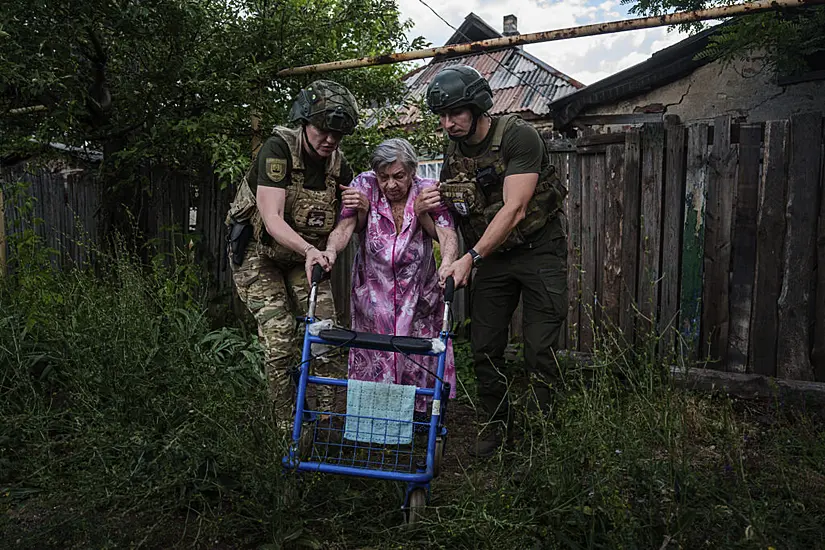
127, 422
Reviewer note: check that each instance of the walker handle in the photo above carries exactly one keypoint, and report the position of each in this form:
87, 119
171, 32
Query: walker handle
317, 274
449, 289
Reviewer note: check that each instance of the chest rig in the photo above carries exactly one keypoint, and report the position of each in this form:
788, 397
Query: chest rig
476, 190
310, 212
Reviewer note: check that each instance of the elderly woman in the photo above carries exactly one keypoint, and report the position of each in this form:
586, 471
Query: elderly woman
395, 287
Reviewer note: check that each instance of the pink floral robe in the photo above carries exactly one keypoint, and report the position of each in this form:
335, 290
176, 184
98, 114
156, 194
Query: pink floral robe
395, 289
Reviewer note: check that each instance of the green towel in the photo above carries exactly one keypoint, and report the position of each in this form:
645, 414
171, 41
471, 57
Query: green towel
379, 413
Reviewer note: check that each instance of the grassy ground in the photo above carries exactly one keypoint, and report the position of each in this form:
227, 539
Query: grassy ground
128, 420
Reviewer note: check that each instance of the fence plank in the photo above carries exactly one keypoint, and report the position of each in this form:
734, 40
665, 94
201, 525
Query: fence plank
588, 254
574, 219
796, 299
599, 180
819, 317
613, 209
650, 236
630, 233
562, 166
743, 251
715, 300
674, 193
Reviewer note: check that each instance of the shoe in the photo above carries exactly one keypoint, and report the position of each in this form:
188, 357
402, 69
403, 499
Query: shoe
487, 447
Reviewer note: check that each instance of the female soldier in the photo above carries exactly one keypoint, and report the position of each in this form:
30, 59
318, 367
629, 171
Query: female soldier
287, 203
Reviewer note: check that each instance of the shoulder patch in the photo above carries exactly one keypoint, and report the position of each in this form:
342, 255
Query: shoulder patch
276, 169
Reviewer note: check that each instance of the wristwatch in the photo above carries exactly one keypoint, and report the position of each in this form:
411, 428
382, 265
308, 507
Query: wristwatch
477, 259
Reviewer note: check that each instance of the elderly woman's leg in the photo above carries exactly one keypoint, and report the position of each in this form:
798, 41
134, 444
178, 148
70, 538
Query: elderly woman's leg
260, 285
331, 364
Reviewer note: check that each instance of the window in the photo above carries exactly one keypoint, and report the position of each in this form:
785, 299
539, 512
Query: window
429, 169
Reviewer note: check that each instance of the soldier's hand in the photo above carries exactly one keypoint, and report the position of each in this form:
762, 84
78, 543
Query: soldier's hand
427, 200
460, 270
315, 256
354, 199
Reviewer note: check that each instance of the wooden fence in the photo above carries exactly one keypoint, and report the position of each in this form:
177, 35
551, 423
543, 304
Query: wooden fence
708, 235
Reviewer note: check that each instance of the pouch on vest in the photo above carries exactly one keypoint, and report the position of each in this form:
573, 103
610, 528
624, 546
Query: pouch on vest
240, 233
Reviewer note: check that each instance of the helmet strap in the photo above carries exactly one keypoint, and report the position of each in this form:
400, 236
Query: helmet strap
473, 127
308, 143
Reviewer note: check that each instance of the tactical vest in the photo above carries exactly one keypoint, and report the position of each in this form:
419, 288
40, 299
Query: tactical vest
476, 190
311, 213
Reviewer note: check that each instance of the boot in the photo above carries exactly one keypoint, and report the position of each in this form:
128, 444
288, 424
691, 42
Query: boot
486, 446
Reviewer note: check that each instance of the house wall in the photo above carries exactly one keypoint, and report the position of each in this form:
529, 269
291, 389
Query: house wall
745, 88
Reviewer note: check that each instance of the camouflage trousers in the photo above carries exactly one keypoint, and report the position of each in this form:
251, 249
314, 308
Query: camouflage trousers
275, 295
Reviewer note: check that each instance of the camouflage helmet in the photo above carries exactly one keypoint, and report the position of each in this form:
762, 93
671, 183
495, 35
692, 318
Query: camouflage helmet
326, 105
459, 86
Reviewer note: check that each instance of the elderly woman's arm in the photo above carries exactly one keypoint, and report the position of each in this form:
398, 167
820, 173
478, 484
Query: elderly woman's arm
448, 240
339, 238
427, 200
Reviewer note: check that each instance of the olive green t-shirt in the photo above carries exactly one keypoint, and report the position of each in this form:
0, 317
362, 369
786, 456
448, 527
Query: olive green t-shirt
314, 176
521, 145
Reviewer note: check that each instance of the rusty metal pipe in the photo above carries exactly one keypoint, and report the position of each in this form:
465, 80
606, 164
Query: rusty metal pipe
560, 34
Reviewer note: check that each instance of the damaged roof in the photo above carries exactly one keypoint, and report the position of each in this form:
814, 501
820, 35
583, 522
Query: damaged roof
521, 82
663, 67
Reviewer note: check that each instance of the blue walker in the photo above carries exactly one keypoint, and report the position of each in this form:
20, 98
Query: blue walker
319, 438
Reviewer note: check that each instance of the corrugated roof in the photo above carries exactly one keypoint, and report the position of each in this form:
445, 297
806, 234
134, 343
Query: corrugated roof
521, 83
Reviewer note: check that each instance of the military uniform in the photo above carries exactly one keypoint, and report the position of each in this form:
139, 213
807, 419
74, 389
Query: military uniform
531, 263
271, 279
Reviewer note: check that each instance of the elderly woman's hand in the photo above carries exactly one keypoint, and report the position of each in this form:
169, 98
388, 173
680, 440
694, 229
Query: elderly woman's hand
354, 199
427, 200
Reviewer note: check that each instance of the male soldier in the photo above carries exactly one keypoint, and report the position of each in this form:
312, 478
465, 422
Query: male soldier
285, 208
498, 181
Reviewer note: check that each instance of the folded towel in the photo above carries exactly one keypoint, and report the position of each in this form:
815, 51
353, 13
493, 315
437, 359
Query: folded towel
379, 413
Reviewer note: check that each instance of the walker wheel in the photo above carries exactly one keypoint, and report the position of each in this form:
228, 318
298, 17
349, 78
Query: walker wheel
439, 455
415, 508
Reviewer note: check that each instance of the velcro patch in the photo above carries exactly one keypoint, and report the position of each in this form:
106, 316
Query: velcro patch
276, 169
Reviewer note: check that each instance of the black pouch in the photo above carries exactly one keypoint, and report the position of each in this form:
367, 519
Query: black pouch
239, 236
487, 176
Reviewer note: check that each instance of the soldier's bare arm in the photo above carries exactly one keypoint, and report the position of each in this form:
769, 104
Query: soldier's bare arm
518, 190
271, 202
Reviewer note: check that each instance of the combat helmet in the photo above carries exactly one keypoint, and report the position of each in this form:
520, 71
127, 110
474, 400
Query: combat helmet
326, 105
459, 86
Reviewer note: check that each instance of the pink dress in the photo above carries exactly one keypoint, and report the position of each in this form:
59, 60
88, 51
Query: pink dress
395, 289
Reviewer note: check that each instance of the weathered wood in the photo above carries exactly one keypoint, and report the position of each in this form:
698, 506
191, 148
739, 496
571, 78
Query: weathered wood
628, 118
798, 285
715, 300
630, 234
573, 206
650, 233
588, 253
810, 395
561, 164
743, 251
818, 355
613, 211
600, 139
599, 181
672, 221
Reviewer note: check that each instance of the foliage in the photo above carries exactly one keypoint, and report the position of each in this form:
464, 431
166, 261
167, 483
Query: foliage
177, 81
383, 124
788, 39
